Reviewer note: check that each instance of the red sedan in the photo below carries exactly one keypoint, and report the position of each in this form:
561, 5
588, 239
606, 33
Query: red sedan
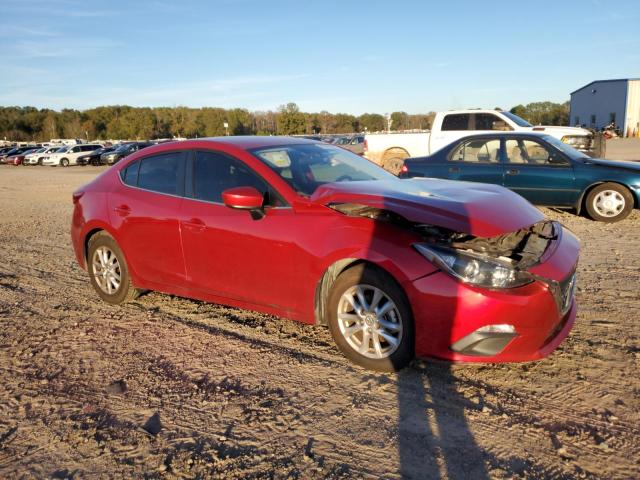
312, 232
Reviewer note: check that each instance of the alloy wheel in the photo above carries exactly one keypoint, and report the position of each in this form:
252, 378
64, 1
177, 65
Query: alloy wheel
369, 321
106, 270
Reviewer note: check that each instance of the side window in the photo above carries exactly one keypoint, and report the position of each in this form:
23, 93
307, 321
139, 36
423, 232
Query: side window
130, 174
477, 151
530, 152
161, 173
456, 121
215, 172
74, 150
489, 121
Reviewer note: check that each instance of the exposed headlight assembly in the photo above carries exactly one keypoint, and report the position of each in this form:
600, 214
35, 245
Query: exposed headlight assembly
474, 269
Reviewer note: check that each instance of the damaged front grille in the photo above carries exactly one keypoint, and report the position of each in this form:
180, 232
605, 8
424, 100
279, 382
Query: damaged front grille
521, 249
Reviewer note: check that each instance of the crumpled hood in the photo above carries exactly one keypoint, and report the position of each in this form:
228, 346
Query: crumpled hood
479, 209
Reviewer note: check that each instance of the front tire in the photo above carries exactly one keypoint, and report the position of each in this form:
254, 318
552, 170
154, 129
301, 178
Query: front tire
64, 162
108, 271
609, 202
370, 319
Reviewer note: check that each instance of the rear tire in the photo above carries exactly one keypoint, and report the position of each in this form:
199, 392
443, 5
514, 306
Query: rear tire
108, 270
609, 202
386, 325
393, 160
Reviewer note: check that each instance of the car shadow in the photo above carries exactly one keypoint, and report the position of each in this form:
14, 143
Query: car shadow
434, 437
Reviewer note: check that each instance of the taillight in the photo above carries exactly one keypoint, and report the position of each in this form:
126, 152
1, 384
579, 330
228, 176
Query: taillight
366, 145
404, 169
76, 196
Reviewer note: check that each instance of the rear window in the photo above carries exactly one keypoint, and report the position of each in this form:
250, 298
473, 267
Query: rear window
456, 121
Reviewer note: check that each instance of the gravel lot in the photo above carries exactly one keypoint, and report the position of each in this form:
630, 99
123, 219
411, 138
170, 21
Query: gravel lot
174, 388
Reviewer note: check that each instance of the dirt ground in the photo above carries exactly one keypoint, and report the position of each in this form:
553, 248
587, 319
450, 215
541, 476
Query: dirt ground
168, 387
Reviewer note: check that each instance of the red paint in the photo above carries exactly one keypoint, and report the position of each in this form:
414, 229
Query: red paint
215, 253
242, 197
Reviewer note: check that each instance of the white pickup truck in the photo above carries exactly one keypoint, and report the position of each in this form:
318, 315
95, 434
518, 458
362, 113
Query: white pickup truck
390, 149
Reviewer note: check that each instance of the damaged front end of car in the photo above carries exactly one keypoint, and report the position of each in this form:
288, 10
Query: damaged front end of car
498, 262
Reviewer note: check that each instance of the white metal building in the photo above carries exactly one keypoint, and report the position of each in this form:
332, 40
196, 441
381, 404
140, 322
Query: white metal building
604, 101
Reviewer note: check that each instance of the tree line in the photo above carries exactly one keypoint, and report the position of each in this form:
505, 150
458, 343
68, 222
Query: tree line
125, 122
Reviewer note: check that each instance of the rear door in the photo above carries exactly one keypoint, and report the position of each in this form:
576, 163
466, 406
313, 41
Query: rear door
476, 160
144, 209
539, 172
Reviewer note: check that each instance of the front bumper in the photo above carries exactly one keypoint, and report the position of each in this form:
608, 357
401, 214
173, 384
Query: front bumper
448, 313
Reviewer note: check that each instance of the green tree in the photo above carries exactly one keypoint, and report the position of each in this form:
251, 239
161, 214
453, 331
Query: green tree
400, 121
374, 122
290, 120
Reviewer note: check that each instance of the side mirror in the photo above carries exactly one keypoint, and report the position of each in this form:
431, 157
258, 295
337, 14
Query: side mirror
244, 198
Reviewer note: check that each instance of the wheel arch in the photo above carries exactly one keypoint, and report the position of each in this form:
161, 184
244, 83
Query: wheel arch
328, 278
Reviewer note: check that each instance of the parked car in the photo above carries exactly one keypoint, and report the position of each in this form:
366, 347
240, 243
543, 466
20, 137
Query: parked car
389, 149
542, 169
18, 158
122, 151
69, 155
94, 157
312, 232
35, 158
4, 158
355, 144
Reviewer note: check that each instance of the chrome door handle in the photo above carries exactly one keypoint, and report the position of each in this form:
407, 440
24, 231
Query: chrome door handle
513, 171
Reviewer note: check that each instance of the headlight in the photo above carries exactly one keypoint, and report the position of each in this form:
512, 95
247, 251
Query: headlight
575, 140
474, 269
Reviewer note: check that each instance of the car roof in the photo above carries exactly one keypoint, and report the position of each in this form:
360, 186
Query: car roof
247, 142
499, 133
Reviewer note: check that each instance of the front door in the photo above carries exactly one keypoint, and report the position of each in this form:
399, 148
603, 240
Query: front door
228, 253
539, 173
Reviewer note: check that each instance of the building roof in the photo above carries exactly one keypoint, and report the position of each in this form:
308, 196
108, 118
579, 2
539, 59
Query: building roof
604, 81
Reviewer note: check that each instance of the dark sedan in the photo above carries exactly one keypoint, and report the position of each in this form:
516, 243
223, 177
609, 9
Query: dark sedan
94, 157
541, 168
122, 151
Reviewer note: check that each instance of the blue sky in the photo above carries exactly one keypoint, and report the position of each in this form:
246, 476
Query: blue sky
342, 56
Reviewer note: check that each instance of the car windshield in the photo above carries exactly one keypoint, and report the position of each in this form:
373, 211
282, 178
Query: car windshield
307, 166
123, 148
63, 149
564, 148
521, 122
